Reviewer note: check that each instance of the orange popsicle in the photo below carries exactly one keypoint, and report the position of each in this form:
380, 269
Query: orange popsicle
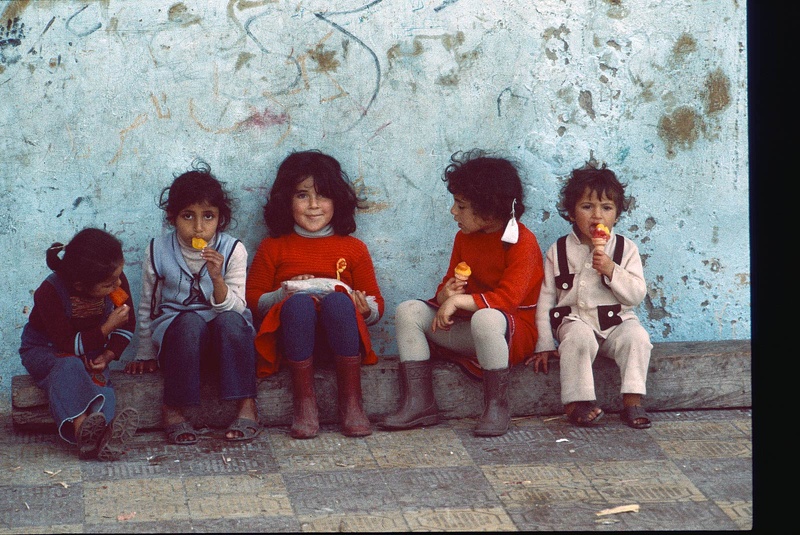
118, 297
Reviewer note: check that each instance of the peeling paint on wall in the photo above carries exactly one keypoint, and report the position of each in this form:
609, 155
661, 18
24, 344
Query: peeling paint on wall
680, 129
717, 95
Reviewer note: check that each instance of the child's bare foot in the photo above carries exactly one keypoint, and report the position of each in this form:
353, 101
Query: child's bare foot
584, 413
138, 367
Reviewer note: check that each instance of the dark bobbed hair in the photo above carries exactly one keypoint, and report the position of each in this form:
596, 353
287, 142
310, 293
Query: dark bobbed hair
489, 183
329, 181
598, 180
197, 186
91, 256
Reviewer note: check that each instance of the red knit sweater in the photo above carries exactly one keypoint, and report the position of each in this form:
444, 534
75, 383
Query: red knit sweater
504, 277
280, 259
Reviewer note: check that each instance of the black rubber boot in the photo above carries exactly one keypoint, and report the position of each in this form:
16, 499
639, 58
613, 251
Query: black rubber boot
496, 415
417, 401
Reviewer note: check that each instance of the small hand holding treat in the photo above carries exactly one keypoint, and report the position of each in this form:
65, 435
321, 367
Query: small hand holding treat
118, 297
462, 271
199, 243
600, 236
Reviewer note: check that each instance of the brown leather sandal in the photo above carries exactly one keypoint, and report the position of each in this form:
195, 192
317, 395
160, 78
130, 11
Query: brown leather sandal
581, 414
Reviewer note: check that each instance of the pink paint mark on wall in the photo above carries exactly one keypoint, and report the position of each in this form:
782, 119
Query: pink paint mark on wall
378, 131
265, 119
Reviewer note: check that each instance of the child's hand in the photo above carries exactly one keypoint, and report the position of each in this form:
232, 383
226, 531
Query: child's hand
138, 367
100, 362
602, 263
360, 301
214, 260
539, 360
451, 287
117, 318
444, 316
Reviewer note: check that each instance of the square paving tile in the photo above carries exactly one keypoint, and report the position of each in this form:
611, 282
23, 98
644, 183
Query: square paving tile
344, 491
446, 487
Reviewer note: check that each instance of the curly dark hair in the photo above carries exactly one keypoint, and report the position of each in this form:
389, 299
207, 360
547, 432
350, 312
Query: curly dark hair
197, 186
329, 180
491, 184
90, 257
598, 180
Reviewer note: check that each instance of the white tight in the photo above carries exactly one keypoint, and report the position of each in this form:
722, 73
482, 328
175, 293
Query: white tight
482, 335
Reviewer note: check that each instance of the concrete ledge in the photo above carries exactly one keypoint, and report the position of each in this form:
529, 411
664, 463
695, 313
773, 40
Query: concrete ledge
682, 376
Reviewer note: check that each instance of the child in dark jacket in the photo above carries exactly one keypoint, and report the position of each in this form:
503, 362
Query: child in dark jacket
74, 331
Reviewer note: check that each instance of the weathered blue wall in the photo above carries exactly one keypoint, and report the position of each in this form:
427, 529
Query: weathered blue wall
101, 102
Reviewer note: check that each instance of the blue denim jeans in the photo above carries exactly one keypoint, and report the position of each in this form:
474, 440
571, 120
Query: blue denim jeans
70, 389
327, 329
223, 346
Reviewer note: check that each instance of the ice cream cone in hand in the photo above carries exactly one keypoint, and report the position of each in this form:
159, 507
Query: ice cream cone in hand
462, 271
600, 236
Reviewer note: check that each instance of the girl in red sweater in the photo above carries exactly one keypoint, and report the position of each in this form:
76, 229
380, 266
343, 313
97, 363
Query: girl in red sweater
484, 319
312, 289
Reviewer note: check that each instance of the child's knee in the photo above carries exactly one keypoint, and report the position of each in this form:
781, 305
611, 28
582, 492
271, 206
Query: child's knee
298, 303
336, 303
410, 307
69, 364
410, 312
488, 322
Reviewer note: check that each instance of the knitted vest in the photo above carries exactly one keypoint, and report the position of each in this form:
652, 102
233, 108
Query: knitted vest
177, 289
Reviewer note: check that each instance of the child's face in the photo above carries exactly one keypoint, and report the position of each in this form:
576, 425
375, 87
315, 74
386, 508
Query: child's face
468, 221
198, 220
590, 211
311, 211
104, 287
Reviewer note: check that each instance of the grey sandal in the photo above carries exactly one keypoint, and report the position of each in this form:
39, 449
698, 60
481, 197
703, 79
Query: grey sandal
248, 428
175, 431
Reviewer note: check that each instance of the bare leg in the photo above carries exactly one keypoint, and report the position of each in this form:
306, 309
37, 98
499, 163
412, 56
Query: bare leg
77, 422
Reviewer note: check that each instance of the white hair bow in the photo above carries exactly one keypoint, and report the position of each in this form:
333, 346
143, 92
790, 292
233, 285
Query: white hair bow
511, 234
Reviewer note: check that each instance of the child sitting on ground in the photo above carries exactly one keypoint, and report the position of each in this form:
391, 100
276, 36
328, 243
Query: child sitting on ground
593, 280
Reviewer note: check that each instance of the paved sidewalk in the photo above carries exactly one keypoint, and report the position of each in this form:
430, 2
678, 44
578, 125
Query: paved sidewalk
690, 471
